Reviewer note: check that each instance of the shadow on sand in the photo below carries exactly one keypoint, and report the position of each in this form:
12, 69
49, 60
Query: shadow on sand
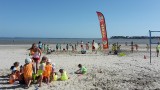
4, 81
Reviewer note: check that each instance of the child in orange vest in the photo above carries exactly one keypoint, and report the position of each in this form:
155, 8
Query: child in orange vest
47, 71
27, 71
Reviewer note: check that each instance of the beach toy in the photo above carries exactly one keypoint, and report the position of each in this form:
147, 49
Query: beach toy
96, 46
28, 60
122, 54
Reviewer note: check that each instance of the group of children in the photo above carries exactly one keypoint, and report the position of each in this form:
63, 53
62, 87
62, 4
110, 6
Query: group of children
45, 73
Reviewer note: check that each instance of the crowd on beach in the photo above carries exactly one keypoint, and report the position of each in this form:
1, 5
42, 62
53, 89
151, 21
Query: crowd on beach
38, 69
45, 48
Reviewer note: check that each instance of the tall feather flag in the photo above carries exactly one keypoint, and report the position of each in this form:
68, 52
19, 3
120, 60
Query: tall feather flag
103, 30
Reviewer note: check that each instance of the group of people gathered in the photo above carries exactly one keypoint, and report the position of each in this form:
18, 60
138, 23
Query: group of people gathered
73, 47
38, 70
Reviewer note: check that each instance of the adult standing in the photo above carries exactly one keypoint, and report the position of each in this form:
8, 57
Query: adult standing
93, 48
157, 49
132, 48
36, 53
82, 48
40, 46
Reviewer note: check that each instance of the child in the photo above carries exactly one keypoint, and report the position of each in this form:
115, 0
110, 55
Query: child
27, 71
15, 73
82, 70
52, 73
41, 70
55, 77
15, 67
64, 75
47, 71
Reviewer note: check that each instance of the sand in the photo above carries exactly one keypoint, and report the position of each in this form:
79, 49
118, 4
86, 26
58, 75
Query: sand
105, 71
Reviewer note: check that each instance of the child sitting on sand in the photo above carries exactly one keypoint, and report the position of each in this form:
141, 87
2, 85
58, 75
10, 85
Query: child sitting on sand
15, 67
55, 76
64, 75
82, 70
47, 71
27, 71
15, 73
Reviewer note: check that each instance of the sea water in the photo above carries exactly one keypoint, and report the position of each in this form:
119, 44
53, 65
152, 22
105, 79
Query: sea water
71, 40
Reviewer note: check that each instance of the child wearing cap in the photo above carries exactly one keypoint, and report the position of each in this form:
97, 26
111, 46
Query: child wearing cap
47, 71
27, 71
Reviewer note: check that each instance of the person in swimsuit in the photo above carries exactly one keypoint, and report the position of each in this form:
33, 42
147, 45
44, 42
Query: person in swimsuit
93, 48
35, 52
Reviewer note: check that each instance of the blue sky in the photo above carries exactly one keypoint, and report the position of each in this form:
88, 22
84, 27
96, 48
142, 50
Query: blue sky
77, 18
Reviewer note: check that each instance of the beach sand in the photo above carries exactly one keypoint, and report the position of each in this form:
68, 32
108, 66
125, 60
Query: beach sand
105, 71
